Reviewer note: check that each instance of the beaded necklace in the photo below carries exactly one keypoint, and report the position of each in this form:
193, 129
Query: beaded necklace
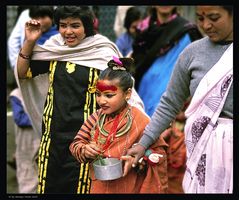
113, 131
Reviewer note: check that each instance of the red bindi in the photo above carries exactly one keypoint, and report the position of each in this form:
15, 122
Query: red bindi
101, 86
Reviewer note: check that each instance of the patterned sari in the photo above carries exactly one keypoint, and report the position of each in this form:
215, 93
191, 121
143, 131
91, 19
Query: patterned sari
209, 139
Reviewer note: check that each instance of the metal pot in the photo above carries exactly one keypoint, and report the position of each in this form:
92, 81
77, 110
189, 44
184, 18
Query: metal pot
108, 169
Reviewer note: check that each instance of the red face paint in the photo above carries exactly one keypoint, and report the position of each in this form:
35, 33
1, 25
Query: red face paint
101, 86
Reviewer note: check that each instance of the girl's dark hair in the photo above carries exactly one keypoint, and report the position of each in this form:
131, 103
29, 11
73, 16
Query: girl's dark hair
41, 11
132, 14
229, 9
125, 79
82, 12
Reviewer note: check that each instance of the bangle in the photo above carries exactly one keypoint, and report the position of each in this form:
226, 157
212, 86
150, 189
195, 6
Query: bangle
24, 56
148, 152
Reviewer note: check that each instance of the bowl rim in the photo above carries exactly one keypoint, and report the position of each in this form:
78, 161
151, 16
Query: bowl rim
116, 159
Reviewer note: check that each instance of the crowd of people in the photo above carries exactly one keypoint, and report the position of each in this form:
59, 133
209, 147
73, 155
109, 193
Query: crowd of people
159, 98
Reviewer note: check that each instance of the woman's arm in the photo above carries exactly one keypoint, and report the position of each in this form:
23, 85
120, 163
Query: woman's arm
32, 34
170, 104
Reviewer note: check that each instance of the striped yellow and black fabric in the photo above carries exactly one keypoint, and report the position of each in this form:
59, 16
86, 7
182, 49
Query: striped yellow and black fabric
46, 139
51, 115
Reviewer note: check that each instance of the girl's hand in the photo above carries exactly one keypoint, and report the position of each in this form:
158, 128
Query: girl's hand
91, 150
33, 30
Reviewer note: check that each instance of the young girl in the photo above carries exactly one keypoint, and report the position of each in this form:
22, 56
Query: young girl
115, 127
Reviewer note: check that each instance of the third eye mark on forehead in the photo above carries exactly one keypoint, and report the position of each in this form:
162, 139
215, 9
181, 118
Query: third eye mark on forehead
102, 86
208, 15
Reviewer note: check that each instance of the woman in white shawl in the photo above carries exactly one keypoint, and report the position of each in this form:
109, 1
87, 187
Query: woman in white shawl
204, 71
57, 81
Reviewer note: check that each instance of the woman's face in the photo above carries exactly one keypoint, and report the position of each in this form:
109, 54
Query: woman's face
165, 10
216, 22
133, 27
72, 30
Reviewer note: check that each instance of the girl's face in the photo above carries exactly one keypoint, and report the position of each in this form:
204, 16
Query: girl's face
72, 31
215, 22
110, 97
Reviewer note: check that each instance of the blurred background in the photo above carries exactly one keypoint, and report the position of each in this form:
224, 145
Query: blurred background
106, 16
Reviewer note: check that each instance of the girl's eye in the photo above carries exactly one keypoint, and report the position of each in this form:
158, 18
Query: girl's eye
62, 26
109, 95
75, 26
97, 94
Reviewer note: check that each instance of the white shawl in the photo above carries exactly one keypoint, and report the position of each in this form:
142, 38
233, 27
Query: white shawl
94, 51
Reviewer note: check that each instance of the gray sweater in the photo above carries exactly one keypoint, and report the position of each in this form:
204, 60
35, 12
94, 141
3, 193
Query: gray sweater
193, 63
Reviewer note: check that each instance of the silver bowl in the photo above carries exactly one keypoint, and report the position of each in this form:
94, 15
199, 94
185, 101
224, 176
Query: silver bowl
108, 169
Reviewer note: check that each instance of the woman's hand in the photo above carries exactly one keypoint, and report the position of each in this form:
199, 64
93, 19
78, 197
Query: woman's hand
141, 165
137, 152
32, 34
91, 150
127, 164
33, 30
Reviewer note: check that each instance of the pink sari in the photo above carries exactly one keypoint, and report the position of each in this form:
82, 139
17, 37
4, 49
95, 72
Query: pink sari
208, 138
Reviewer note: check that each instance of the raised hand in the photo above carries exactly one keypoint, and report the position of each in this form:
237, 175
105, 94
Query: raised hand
32, 30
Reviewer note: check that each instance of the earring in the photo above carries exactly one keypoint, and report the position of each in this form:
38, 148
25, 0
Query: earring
127, 98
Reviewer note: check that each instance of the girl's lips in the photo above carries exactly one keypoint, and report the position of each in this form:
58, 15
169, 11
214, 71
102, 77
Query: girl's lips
104, 107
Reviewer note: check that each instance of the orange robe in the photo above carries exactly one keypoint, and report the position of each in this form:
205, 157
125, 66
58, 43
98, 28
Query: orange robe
155, 178
176, 153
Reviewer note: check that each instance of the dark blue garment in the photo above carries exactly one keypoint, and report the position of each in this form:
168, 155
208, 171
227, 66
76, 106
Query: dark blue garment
154, 82
45, 36
19, 115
